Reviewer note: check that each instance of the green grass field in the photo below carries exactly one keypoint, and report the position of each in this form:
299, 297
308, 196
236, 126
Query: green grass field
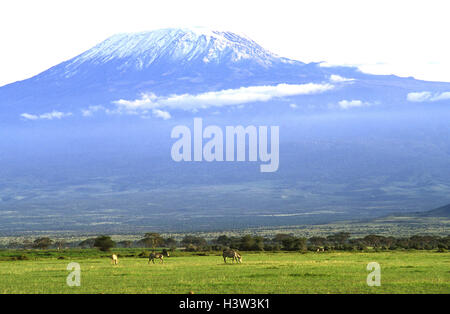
401, 272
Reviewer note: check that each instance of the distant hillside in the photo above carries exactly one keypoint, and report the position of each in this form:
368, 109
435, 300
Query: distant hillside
443, 211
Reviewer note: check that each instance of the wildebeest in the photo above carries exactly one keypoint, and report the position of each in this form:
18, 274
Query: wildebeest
157, 255
231, 254
114, 259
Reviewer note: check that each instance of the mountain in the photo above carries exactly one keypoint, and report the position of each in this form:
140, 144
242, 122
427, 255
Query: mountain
168, 61
196, 61
443, 211
86, 144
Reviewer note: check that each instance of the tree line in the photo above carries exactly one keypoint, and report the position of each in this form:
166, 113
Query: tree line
280, 242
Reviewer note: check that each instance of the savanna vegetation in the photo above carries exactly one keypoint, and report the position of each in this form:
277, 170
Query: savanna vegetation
280, 264
341, 241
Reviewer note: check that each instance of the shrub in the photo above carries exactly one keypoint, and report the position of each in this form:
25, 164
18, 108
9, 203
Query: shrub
191, 248
143, 254
20, 258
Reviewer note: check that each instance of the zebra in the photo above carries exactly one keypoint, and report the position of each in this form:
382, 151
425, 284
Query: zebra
114, 259
235, 256
160, 256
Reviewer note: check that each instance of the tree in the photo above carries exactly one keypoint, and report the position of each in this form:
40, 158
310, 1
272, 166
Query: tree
317, 241
339, 238
291, 243
104, 243
126, 243
223, 240
193, 242
247, 243
60, 244
152, 239
42, 243
27, 244
13, 245
87, 243
171, 243
373, 240
288, 243
300, 244
280, 237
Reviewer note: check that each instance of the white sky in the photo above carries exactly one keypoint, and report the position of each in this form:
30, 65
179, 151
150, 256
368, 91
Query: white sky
406, 38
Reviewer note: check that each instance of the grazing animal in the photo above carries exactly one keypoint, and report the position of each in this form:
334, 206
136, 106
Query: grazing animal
114, 259
160, 256
235, 256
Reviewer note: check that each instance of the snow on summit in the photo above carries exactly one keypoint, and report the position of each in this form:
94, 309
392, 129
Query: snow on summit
176, 44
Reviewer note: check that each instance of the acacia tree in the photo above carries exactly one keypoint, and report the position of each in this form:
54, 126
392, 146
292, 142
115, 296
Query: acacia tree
104, 243
223, 240
171, 243
126, 243
60, 244
27, 244
339, 238
87, 243
152, 239
42, 243
193, 240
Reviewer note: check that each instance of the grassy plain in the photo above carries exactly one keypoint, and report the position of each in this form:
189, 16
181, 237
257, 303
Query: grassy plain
265, 272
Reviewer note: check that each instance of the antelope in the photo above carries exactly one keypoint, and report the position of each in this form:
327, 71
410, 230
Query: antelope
235, 256
157, 255
114, 259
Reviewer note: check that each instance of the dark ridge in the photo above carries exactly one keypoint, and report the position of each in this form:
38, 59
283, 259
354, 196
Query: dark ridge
443, 211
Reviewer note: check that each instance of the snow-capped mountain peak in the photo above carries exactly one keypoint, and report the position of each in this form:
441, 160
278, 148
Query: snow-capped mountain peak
176, 44
195, 61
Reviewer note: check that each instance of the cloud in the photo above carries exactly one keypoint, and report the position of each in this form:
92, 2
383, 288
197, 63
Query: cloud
46, 116
418, 96
293, 106
144, 113
325, 64
441, 96
427, 96
29, 116
347, 104
91, 110
228, 97
161, 114
339, 79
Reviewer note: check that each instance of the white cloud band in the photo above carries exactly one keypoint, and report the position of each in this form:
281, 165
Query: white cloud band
427, 96
347, 104
340, 79
228, 97
46, 116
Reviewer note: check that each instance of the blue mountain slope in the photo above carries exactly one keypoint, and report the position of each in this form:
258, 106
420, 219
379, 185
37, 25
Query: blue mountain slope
443, 211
